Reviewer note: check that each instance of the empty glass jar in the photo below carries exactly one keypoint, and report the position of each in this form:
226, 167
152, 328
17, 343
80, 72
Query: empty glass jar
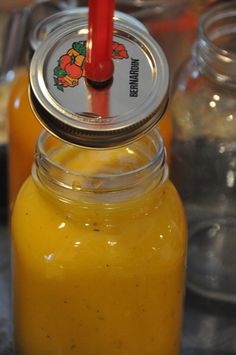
204, 153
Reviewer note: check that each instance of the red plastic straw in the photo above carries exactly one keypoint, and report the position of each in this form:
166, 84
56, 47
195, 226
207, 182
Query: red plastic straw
99, 101
99, 65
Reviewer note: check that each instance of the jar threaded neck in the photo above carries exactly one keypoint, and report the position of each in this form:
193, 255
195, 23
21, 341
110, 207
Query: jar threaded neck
113, 174
215, 49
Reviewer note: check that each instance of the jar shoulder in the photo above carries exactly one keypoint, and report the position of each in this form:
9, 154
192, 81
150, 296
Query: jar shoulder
35, 209
192, 78
202, 107
36, 200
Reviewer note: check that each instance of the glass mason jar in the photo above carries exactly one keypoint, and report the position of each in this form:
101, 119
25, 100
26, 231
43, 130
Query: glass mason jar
11, 23
99, 252
204, 153
104, 271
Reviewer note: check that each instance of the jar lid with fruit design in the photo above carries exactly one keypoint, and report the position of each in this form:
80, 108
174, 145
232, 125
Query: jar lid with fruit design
70, 108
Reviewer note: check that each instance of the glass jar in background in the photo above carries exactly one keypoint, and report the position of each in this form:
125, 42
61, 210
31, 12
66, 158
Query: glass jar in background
12, 31
4, 95
173, 23
107, 258
204, 153
23, 129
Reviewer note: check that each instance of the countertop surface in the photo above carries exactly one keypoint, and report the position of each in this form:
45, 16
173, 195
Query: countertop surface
209, 327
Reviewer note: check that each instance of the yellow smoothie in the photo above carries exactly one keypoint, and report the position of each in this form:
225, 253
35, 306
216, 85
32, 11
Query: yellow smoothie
94, 277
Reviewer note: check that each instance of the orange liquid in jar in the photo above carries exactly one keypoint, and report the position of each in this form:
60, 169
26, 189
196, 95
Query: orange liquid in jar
23, 132
98, 278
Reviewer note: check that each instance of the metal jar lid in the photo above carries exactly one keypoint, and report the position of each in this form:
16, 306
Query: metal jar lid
51, 23
71, 109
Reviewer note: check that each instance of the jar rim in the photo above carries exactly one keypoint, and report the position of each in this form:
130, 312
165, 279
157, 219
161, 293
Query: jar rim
155, 162
211, 15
